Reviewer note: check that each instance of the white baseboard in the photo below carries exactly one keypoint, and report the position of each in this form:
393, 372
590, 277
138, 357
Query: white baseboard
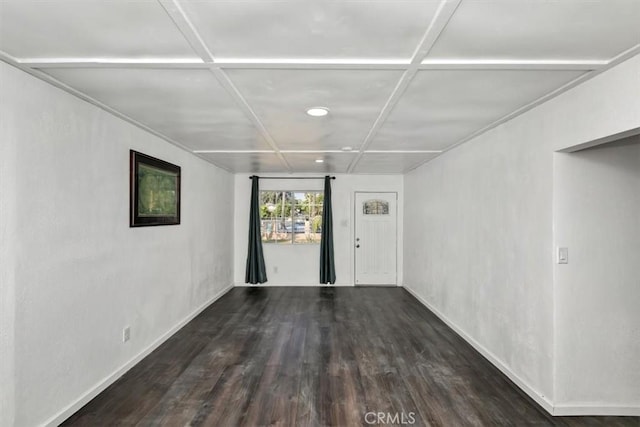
106, 382
538, 397
296, 285
589, 409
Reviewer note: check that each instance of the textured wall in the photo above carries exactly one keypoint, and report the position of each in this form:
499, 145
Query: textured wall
478, 250
80, 274
7, 260
479, 221
597, 217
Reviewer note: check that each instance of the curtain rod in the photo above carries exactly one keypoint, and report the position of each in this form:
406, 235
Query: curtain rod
290, 177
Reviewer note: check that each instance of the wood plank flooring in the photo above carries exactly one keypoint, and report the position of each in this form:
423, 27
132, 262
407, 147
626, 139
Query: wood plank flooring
317, 357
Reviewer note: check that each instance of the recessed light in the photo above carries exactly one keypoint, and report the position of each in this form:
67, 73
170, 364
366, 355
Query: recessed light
318, 111
319, 161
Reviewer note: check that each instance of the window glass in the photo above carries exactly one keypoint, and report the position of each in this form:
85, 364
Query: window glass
375, 207
291, 217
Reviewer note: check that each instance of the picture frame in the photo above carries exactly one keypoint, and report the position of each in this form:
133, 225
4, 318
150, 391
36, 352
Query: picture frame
154, 191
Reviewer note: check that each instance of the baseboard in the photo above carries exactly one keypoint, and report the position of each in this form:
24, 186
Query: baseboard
106, 382
530, 391
296, 285
588, 409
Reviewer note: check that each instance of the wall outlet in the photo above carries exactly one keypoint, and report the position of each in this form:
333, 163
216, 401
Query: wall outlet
275, 268
563, 255
126, 334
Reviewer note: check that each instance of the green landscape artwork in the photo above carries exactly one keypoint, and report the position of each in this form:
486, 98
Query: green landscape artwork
154, 191
157, 192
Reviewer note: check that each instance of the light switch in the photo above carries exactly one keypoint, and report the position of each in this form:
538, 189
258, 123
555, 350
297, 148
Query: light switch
563, 255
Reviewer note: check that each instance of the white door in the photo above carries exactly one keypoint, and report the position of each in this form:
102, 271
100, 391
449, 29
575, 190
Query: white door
375, 239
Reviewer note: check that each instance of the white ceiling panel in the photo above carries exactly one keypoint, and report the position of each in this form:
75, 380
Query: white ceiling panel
442, 107
391, 163
89, 28
235, 78
246, 162
332, 162
280, 98
189, 106
311, 28
536, 29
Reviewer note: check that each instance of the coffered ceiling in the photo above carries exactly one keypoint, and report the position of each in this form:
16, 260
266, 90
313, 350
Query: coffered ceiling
404, 81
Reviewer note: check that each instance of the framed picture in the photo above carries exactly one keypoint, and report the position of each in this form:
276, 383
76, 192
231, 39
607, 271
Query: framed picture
154, 191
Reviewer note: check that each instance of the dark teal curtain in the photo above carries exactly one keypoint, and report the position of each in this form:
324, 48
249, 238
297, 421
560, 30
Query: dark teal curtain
256, 271
327, 263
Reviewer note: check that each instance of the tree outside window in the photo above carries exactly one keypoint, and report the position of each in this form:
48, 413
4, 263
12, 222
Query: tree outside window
291, 217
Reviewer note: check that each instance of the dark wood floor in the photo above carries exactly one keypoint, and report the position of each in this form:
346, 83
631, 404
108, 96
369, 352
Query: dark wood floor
315, 357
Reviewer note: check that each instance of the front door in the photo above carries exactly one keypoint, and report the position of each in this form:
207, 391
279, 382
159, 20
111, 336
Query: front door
375, 239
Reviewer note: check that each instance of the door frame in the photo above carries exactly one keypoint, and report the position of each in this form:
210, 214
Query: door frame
355, 227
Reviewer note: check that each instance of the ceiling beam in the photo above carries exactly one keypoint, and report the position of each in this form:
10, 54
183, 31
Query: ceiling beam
160, 63
403, 152
445, 11
510, 64
313, 64
234, 151
180, 18
222, 151
318, 152
273, 152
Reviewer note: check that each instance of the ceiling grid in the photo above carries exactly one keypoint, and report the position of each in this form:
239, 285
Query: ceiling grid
404, 80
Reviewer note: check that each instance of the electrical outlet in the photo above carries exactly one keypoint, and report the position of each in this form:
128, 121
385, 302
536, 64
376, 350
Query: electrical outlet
275, 269
126, 334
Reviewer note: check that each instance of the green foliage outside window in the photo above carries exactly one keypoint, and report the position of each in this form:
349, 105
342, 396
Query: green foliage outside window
289, 217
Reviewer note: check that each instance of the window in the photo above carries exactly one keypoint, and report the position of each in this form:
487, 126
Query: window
375, 207
291, 217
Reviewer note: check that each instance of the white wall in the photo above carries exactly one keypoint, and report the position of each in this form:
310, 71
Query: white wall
79, 273
478, 250
300, 264
7, 265
597, 216
480, 247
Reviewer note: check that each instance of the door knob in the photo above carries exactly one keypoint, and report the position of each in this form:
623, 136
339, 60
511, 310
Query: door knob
357, 246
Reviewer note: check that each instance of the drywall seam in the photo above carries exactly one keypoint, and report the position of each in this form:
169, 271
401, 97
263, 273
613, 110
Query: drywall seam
110, 379
530, 391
